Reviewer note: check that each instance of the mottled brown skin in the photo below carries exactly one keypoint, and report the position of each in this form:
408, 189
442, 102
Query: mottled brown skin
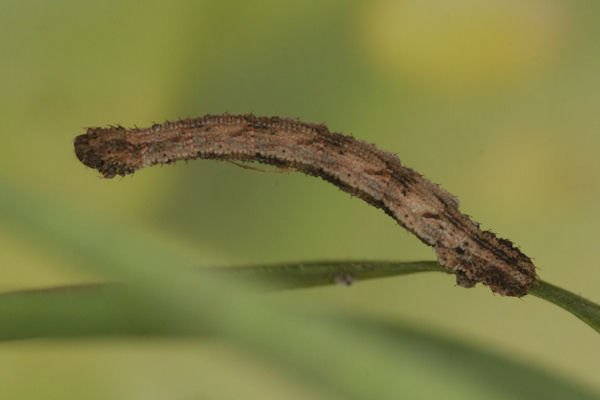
356, 167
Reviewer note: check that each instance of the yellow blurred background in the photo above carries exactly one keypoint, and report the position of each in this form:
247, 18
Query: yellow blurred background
495, 100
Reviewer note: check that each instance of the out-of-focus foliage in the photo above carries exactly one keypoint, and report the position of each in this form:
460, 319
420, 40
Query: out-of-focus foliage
344, 356
497, 100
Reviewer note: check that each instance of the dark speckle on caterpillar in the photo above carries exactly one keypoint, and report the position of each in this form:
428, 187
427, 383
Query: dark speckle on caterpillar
356, 167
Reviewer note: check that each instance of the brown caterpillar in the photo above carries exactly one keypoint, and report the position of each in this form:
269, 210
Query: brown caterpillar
356, 167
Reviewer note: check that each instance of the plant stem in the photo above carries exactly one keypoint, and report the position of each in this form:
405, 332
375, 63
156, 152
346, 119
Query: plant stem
584, 309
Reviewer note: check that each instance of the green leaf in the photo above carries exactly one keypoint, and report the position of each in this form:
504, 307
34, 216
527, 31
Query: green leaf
321, 273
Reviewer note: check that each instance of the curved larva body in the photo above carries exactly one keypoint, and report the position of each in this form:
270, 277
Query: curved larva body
356, 167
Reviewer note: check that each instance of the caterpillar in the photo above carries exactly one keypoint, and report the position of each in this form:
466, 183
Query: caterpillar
359, 168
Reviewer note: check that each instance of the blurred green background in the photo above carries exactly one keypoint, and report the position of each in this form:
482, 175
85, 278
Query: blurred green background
496, 100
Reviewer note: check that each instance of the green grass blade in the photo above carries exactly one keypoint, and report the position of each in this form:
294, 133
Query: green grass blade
81, 311
582, 308
322, 273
